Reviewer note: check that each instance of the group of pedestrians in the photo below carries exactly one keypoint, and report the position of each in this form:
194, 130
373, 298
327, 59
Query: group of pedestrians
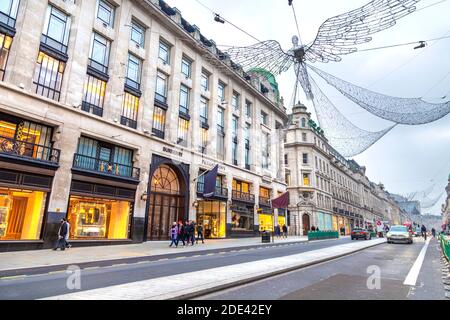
185, 232
313, 228
63, 236
281, 232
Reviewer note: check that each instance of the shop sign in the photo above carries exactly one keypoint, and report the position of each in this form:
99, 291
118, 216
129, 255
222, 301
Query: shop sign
172, 151
211, 164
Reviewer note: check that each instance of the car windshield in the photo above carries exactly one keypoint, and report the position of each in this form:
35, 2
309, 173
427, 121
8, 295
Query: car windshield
399, 229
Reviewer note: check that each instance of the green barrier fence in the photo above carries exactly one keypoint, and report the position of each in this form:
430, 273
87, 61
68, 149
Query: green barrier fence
320, 235
445, 245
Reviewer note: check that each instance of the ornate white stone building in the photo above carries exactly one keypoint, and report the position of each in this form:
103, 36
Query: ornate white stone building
327, 190
110, 110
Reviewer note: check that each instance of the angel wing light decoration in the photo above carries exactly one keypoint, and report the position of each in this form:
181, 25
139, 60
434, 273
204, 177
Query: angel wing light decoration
336, 37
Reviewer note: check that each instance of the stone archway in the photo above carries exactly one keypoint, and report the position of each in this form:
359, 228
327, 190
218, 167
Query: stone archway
167, 202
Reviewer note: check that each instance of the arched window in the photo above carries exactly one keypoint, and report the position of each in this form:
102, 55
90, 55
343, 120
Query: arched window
165, 180
303, 122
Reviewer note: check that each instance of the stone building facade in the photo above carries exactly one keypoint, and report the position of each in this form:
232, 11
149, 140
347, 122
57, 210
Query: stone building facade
326, 190
110, 110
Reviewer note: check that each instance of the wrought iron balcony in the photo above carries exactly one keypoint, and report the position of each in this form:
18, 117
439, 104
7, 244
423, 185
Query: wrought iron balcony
105, 167
7, 20
91, 108
218, 192
243, 196
27, 150
54, 44
98, 66
264, 201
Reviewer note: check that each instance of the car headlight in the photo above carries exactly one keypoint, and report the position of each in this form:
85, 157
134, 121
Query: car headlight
388, 234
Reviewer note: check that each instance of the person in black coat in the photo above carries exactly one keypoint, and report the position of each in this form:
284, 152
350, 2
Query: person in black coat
191, 233
181, 229
62, 233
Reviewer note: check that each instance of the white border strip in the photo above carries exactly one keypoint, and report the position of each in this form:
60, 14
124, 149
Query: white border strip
413, 274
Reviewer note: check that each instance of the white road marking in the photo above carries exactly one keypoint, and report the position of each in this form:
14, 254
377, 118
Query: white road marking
413, 274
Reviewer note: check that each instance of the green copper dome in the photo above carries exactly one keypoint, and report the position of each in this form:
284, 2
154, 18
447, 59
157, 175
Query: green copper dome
270, 78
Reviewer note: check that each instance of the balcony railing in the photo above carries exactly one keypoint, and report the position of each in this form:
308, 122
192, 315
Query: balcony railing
102, 166
98, 66
134, 85
243, 196
7, 20
91, 108
264, 201
128, 122
27, 150
218, 192
55, 44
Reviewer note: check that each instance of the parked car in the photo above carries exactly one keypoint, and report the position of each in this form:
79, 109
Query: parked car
358, 233
399, 234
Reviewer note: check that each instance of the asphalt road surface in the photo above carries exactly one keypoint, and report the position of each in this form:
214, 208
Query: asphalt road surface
50, 281
348, 277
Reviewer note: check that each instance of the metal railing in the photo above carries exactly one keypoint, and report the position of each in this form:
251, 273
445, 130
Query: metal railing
218, 192
264, 201
239, 195
27, 150
55, 44
97, 165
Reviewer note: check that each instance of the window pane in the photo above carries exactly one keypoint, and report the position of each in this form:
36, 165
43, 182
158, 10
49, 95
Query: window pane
48, 76
130, 108
164, 52
161, 87
93, 96
159, 121
183, 128
134, 68
105, 13
137, 34
184, 99
5, 44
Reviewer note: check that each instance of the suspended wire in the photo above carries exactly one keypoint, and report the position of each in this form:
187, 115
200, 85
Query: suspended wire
403, 44
405, 63
430, 5
436, 84
218, 15
296, 22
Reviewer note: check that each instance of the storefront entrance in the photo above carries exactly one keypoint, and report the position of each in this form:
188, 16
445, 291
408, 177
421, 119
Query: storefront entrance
167, 203
21, 214
211, 215
306, 224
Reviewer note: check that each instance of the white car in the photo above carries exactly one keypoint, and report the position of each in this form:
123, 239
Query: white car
399, 234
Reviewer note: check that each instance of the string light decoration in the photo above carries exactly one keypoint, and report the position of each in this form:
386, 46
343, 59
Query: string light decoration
339, 36
409, 111
336, 36
343, 135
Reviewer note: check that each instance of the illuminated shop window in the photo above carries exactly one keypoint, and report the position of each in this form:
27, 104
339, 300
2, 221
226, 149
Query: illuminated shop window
130, 108
306, 179
48, 76
242, 220
94, 218
21, 214
211, 215
5, 45
93, 95
266, 222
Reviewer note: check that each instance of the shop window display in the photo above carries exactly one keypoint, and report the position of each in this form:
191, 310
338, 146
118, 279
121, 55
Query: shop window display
242, 221
92, 218
21, 214
265, 222
212, 216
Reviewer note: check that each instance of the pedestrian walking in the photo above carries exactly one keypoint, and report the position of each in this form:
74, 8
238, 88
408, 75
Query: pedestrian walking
173, 233
186, 232
424, 232
277, 231
66, 242
180, 232
433, 232
62, 232
191, 233
200, 233
285, 231
317, 228
313, 228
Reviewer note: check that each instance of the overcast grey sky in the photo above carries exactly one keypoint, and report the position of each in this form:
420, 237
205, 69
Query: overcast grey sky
408, 158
